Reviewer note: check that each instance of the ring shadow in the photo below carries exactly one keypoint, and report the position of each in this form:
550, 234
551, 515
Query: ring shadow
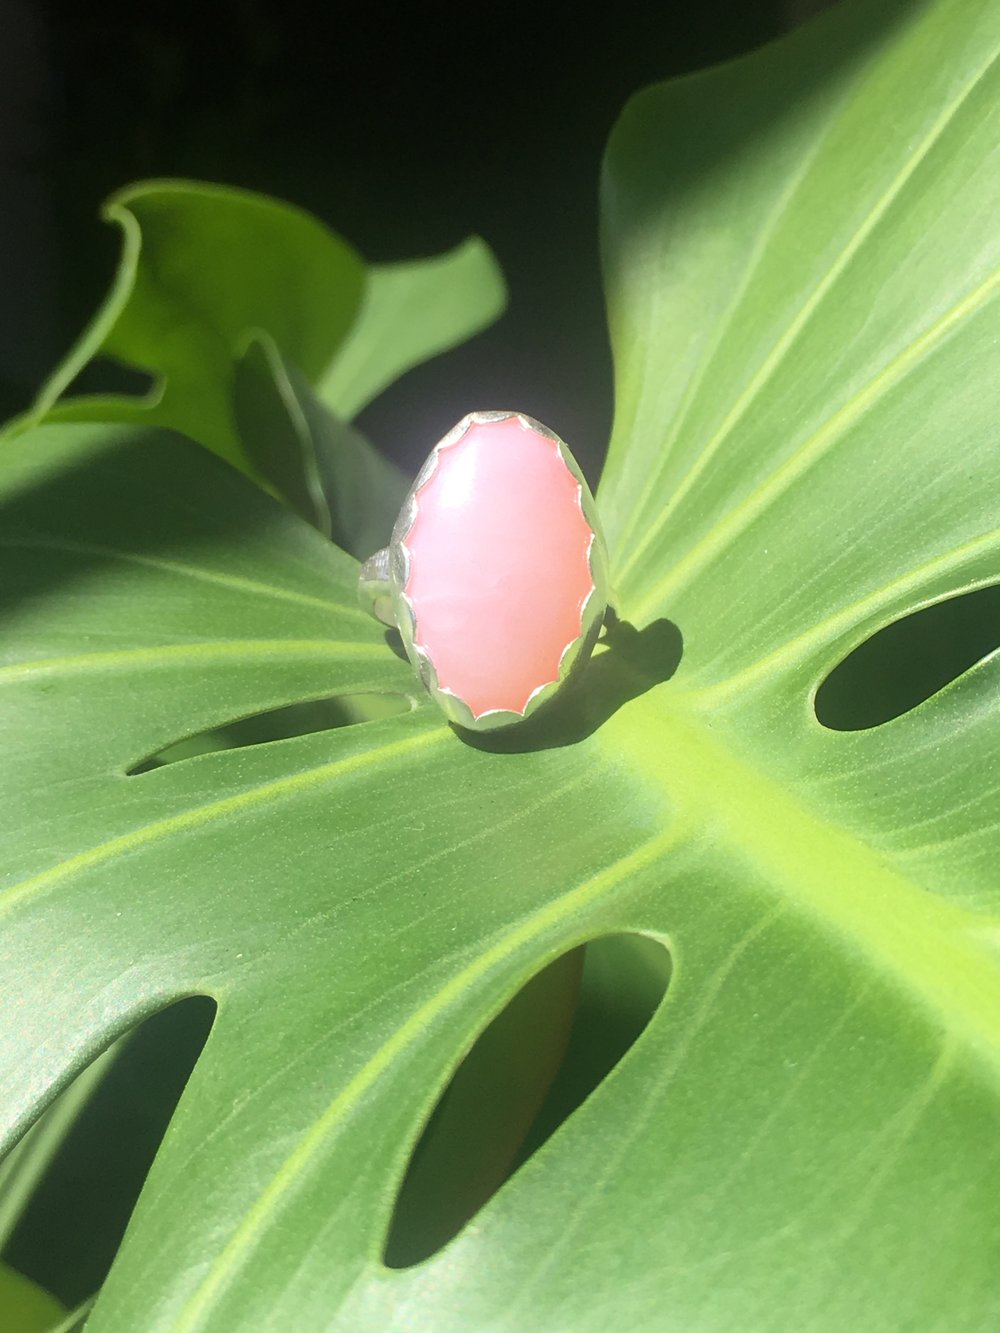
634, 661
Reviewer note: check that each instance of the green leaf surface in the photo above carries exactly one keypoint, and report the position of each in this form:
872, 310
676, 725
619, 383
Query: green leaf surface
328, 470
201, 266
802, 258
412, 312
249, 315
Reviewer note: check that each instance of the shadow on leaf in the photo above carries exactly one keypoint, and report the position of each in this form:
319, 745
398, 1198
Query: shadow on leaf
627, 664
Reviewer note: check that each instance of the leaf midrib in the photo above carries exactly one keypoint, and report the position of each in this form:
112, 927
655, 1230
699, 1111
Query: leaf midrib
932, 950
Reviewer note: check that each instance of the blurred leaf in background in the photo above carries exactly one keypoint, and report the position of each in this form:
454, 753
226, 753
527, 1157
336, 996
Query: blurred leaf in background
238, 308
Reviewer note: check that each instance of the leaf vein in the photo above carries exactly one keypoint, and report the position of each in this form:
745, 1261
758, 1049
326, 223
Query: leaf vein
781, 348
812, 449
168, 654
236, 582
250, 1229
199, 816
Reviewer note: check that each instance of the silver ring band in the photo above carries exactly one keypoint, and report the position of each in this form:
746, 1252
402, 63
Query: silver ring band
375, 588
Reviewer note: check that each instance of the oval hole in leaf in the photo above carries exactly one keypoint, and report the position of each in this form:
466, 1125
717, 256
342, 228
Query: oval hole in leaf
552, 1046
909, 660
278, 724
68, 1233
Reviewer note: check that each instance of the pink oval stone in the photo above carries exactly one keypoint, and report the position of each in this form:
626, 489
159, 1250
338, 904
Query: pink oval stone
499, 566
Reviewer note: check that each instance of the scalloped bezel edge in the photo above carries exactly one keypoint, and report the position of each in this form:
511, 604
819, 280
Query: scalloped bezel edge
576, 651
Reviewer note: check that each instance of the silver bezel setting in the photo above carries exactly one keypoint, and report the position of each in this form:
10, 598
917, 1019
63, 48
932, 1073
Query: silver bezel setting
575, 652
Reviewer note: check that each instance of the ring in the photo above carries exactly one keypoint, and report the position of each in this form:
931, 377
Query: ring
496, 574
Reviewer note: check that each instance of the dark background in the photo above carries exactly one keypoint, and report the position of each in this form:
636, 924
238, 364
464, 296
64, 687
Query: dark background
404, 126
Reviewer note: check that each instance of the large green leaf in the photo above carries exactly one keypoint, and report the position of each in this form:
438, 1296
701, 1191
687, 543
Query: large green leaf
413, 311
802, 271
202, 267
245, 312
330, 474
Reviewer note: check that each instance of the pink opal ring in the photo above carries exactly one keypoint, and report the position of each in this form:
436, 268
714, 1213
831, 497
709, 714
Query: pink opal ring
496, 575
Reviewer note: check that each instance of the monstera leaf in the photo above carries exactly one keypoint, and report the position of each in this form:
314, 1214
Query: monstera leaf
802, 275
255, 326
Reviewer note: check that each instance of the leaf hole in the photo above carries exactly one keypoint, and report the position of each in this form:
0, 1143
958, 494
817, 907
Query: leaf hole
552, 1046
278, 724
909, 661
104, 375
71, 1183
